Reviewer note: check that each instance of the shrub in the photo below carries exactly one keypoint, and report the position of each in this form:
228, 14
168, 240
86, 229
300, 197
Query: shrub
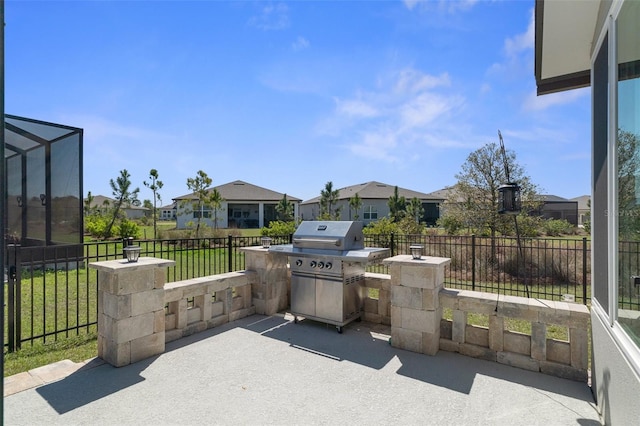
278, 228
451, 224
557, 227
96, 226
128, 228
407, 225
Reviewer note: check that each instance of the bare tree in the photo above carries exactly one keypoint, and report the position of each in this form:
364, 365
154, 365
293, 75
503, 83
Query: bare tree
473, 200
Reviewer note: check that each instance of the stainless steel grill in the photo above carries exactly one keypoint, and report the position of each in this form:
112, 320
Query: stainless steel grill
328, 261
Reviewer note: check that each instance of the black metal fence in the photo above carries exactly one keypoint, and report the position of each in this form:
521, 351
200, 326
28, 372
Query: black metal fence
53, 296
545, 268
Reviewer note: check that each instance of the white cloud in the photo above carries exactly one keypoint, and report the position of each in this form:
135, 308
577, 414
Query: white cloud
356, 108
518, 52
406, 112
426, 108
271, 17
533, 102
413, 81
449, 6
521, 42
410, 4
301, 43
377, 145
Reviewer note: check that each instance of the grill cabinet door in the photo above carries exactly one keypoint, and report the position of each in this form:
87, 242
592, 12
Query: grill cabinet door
330, 299
303, 294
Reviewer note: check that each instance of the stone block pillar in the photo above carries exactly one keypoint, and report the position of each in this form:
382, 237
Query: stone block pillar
130, 309
415, 303
270, 290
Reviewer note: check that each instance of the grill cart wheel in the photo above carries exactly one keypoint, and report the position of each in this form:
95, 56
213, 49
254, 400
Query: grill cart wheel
339, 329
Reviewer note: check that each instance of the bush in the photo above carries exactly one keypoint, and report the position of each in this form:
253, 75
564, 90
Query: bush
128, 228
557, 227
96, 226
528, 226
451, 224
278, 228
408, 225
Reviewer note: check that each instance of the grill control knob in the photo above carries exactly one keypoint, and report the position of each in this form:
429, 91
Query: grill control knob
299, 262
321, 265
313, 264
328, 265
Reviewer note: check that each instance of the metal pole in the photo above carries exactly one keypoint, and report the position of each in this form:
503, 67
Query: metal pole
584, 270
3, 206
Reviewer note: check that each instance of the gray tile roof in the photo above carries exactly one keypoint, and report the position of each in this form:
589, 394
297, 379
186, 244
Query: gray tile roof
242, 191
583, 202
376, 190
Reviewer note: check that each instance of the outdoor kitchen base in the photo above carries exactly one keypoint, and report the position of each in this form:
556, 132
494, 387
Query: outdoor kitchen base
334, 299
328, 261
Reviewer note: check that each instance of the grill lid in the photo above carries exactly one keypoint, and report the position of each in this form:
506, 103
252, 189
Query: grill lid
329, 235
342, 239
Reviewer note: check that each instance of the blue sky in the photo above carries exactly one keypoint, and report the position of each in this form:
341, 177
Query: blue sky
291, 95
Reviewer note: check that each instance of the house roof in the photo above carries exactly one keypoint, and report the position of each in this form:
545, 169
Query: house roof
242, 191
376, 190
171, 206
99, 202
564, 38
548, 198
583, 202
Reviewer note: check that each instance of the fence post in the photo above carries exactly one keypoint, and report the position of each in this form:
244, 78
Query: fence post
473, 262
14, 314
392, 244
230, 252
584, 270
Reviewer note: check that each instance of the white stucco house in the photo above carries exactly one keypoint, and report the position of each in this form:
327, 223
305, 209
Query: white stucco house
597, 44
375, 198
244, 206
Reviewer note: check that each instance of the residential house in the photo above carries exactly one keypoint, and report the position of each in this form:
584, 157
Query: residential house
103, 204
168, 212
244, 206
375, 198
553, 206
584, 209
597, 44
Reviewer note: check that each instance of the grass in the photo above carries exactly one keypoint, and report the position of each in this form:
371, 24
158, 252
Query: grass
77, 349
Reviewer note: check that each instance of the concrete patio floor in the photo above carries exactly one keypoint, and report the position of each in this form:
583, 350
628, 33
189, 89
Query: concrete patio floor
268, 370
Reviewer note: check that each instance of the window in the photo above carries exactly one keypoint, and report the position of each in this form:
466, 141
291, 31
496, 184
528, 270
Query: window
370, 213
628, 170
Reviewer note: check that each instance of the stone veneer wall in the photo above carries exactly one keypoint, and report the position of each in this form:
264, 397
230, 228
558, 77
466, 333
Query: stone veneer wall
535, 352
217, 299
496, 343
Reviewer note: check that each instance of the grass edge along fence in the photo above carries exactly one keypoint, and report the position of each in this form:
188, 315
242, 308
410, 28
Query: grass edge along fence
52, 297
